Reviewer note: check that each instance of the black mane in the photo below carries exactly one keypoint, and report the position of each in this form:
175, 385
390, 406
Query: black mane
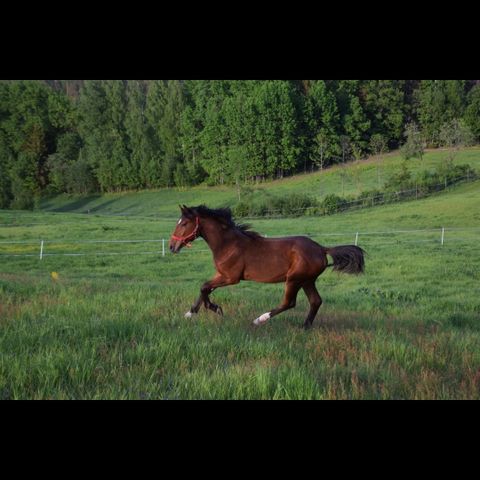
224, 216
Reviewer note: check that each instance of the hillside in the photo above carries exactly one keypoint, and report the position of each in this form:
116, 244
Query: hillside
357, 177
150, 215
457, 208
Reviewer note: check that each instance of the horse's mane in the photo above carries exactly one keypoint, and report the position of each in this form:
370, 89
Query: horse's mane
224, 216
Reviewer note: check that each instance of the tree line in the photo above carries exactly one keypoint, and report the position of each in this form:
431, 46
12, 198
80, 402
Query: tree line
78, 136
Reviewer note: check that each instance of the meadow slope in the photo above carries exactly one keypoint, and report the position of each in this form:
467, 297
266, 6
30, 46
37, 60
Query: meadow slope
360, 176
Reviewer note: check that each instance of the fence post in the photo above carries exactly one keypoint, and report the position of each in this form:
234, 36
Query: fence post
443, 235
41, 250
356, 239
163, 247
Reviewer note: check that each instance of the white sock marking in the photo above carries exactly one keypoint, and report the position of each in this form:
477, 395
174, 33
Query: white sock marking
188, 314
262, 319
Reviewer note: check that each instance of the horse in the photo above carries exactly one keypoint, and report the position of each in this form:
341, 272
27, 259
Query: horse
240, 253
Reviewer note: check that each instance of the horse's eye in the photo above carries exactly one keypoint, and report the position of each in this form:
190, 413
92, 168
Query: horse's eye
183, 224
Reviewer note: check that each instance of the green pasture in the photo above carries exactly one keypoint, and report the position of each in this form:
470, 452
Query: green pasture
112, 326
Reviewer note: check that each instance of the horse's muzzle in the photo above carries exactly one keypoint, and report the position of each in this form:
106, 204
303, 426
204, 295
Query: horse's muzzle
175, 247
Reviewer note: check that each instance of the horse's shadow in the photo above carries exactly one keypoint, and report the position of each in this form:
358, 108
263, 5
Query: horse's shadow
331, 321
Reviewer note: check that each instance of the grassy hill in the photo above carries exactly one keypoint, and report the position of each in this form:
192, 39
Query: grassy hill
457, 208
366, 174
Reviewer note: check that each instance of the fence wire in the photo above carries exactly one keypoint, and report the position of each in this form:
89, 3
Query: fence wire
41, 248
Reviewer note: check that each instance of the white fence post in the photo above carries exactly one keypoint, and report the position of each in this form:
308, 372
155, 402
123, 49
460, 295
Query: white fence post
41, 250
443, 235
356, 239
163, 247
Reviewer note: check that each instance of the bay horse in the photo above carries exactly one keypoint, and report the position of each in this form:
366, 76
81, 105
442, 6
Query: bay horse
242, 254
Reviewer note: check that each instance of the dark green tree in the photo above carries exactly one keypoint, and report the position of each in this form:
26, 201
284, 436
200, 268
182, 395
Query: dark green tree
5, 184
28, 138
117, 166
384, 105
439, 102
472, 111
165, 104
276, 128
144, 156
94, 122
414, 144
322, 119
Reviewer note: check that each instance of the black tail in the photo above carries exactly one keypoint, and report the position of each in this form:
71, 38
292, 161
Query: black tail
347, 259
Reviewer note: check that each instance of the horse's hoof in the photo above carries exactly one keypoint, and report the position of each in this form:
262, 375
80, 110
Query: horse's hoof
261, 319
219, 311
188, 314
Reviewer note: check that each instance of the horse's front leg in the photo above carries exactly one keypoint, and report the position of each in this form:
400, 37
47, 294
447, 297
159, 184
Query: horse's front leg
205, 291
204, 298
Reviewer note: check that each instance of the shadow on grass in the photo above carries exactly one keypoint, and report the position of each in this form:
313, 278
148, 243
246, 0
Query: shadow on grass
81, 205
100, 207
76, 204
329, 321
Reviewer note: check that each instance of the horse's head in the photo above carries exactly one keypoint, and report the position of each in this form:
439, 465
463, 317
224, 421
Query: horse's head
186, 230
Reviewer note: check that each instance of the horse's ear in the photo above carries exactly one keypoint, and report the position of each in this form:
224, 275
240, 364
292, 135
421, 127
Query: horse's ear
188, 212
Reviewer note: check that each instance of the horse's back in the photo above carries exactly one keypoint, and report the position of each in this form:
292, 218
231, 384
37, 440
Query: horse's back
298, 242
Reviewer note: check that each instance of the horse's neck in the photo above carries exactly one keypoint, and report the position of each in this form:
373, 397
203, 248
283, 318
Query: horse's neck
217, 238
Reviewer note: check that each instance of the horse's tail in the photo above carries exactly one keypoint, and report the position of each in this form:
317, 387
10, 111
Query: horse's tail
347, 258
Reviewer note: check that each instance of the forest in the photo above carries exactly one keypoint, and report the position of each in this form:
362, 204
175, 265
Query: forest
85, 136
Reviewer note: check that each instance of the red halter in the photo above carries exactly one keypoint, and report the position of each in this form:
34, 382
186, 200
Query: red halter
191, 237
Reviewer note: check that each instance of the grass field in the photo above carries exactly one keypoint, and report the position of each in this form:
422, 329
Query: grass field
112, 326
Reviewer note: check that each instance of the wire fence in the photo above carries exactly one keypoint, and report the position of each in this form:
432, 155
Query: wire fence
46, 247
42, 248
368, 199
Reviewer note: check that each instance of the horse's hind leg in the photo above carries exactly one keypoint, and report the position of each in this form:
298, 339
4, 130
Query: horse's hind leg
315, 301
289, 301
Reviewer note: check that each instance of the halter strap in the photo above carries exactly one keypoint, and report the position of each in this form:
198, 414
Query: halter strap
191, 237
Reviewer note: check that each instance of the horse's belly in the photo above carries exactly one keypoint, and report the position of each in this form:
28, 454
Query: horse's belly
266, 271
264, 278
